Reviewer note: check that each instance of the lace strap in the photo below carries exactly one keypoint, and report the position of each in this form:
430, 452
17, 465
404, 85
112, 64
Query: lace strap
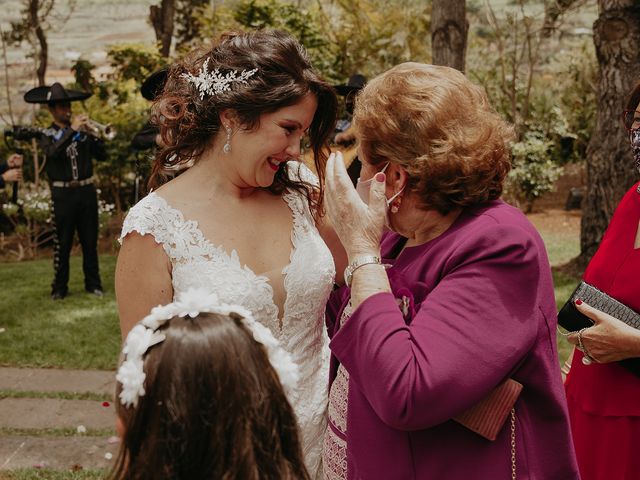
298, 171
302, 219
151, 216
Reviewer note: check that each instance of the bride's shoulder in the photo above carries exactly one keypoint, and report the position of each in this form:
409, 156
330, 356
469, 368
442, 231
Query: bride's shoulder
151, 215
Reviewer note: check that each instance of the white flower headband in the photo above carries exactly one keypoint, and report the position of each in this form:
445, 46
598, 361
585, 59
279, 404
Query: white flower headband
192, 302
212, 83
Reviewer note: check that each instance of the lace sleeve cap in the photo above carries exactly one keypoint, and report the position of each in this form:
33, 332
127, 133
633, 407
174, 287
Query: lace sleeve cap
146, 218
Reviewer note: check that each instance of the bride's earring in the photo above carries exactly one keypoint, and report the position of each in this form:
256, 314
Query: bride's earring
227, 145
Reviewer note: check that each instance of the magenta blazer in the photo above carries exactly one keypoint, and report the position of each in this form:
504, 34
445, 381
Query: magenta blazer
481, 308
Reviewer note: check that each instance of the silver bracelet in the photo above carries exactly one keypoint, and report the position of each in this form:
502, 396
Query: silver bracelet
357, 263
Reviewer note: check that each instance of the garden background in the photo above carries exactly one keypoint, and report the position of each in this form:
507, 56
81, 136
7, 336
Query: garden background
535, 59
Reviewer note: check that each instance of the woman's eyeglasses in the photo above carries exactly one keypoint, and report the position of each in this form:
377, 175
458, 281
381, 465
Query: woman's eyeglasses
631, 119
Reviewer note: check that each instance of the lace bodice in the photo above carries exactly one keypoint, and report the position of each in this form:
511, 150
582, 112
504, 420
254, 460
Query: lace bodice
308, 280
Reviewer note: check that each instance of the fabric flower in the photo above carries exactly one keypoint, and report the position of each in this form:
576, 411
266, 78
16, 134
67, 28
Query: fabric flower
140, 339
131, 375
194, 301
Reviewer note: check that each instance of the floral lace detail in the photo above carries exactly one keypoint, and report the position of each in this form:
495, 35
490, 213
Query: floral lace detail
308, 280
334, 453
338, 400
334, 457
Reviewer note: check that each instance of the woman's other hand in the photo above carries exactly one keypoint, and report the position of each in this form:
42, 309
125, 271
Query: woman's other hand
609, 339
359, 226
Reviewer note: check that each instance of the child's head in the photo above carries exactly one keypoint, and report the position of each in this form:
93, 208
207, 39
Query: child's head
200, 397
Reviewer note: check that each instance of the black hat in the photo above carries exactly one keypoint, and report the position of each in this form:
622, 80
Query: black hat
154, 83
356, 82
53, 94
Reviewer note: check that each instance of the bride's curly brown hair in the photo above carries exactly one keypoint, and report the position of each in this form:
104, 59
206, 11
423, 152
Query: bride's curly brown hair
188, 124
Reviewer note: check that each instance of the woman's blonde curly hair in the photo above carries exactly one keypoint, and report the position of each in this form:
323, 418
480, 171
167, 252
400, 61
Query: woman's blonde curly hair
440, 128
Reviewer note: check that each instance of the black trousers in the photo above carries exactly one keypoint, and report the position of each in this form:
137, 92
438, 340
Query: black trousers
75, 209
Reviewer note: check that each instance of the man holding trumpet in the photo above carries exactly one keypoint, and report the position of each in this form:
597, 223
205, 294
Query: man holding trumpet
70, 144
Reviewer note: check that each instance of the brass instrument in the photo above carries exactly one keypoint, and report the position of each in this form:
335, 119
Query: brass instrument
100, 130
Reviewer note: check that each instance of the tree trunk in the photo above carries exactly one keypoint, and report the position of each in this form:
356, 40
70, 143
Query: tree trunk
162, 19
449, 28
610, 170
43, 53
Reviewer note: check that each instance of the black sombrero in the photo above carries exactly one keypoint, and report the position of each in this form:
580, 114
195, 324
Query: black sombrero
53, 94
154, 83
356, 82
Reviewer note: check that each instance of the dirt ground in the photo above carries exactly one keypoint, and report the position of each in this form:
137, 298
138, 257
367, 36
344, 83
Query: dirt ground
557, 220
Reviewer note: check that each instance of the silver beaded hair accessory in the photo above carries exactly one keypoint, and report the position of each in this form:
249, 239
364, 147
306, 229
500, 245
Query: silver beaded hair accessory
193, 302
212, 83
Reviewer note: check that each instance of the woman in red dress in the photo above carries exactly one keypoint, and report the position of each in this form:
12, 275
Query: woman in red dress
603, 396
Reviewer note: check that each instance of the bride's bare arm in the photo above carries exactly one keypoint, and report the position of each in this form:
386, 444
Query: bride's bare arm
143, 279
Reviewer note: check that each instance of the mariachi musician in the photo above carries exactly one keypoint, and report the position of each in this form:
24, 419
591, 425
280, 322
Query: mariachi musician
70, 144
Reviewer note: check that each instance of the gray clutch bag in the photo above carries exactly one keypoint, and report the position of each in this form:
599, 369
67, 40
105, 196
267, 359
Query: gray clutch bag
571, 319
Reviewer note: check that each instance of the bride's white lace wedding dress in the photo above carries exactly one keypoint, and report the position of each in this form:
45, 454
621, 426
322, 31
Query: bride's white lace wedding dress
308, 280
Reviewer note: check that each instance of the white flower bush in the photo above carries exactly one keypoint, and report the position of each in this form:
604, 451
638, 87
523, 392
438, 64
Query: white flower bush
32, 218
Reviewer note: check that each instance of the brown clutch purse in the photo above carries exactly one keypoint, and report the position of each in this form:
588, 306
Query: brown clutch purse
487, 417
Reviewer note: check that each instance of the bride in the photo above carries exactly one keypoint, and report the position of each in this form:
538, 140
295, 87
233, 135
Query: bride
241, 220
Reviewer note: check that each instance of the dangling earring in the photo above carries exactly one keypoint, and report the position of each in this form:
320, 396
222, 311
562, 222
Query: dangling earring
227, 145
395, 206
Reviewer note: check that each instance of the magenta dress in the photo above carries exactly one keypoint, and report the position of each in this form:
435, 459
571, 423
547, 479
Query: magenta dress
469, 308
604, 399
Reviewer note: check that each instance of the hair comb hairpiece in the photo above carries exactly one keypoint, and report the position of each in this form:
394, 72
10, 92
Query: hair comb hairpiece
191, 303
212, 83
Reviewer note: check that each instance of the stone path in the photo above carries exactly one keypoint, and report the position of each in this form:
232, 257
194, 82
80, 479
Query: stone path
34, 429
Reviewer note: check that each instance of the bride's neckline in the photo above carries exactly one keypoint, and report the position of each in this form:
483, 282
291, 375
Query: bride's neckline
233, 256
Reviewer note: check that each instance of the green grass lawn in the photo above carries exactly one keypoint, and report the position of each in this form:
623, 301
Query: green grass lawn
80, 331
562, 245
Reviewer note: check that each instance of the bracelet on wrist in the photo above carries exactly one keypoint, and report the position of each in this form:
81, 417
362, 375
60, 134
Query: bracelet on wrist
356, 263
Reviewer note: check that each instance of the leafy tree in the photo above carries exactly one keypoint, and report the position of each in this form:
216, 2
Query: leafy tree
610, 169
82, 72
134, 61
187, 21
366, 36
33, 28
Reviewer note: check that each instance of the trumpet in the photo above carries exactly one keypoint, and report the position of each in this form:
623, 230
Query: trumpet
100, 130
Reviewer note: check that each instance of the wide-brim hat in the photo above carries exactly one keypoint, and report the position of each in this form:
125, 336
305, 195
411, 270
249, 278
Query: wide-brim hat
356, 82
54, 94
154, 83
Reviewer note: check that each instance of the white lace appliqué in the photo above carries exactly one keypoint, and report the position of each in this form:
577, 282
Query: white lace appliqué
334, 453
308, 280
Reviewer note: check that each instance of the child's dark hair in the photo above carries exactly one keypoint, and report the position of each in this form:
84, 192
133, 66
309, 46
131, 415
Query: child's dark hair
284, 76
213, 408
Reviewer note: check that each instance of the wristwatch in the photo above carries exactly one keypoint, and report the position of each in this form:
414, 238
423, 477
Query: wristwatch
356, 264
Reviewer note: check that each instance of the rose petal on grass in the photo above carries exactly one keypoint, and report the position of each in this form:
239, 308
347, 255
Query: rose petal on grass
81, 429
108, 455
112, 440
106, 404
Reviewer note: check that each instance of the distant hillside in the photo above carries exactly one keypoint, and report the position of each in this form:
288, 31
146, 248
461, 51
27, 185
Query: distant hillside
91, 28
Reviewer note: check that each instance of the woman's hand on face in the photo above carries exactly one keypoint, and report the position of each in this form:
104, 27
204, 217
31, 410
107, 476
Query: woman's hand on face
359, 226
609, 339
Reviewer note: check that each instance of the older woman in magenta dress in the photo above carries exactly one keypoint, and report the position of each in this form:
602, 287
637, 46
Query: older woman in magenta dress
603, 396
455, 300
